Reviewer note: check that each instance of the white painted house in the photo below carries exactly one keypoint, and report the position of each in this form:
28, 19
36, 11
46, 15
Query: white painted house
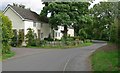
58, 34
22, 19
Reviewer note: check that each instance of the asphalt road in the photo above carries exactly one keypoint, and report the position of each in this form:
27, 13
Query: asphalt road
75, 59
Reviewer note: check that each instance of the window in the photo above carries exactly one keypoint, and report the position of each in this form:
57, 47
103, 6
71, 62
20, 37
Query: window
41, 35
41, 25
21, 33
34, 24
55, 34
15, 32
38, 34
59, 34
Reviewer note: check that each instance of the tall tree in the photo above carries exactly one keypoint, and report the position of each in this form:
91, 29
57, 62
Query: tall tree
65, 14
104, 15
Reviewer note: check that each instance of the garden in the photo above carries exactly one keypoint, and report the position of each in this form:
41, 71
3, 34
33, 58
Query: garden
32, 41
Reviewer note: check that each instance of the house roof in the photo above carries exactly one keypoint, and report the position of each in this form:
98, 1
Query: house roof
26, 13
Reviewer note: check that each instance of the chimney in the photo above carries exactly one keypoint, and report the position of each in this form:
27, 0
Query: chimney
22, 6
14, 4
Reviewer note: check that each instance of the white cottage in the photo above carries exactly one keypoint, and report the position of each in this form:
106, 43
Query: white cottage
22, 19
58, 34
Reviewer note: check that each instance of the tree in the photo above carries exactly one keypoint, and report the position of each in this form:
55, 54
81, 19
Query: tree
65, 14
85, 31
30, 39
0, 34
7, 34
20, 37
104, 24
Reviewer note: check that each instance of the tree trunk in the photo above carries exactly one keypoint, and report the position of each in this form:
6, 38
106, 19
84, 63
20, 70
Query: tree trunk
65, 34
65, 31
76, 29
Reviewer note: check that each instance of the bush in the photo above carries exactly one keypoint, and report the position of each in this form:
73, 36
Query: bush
20, 37
30, 38
7, 34
57, 40
43, 42
76, 37
87, 41
33, 43
48, 39
70, 39
14, 41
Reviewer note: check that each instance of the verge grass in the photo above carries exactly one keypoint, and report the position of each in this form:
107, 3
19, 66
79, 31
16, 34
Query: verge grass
6, 56
61, 46
105, 60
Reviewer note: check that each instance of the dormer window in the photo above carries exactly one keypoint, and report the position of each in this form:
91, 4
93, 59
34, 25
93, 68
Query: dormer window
34, 24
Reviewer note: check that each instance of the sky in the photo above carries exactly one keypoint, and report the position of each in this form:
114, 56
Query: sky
34, 5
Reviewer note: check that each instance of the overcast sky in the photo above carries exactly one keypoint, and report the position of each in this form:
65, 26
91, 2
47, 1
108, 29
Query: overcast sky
35, 5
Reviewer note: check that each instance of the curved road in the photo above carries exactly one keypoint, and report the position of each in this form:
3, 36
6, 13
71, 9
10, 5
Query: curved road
75, 59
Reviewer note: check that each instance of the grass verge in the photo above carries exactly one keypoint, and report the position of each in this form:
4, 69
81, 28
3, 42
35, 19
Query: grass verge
6, 56
62, 47
105, 59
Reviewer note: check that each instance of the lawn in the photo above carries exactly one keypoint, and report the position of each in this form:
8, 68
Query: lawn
105, 59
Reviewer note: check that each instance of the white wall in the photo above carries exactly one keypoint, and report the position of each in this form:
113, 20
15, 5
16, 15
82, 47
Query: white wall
70, 32
28, 24
45, 29
17, 22
59, 34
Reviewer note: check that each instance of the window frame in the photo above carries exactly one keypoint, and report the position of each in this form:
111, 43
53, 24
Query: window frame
34, 24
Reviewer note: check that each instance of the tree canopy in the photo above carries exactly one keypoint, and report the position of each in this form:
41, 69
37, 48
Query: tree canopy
65, 14
100, 22
104, 20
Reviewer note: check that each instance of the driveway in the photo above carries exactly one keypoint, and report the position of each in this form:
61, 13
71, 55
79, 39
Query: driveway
75, 59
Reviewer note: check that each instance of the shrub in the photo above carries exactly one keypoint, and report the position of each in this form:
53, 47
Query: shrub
30, 37
7, 34
76, 37
20, 37
42, 43
14, 42
38, 42
57, 40
14, 39
48, 39
87, 41
33, 43
70, 39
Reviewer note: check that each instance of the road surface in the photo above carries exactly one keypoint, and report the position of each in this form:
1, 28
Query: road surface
75, 59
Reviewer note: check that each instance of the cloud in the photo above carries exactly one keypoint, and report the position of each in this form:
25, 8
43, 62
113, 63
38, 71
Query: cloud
35, 5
